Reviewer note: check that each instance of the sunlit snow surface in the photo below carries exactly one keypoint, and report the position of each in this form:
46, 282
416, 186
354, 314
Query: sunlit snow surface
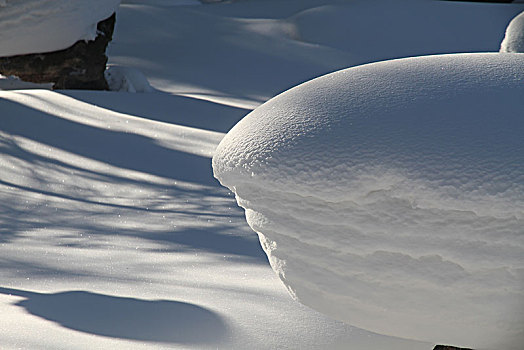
391, 195
34, 26
514, 38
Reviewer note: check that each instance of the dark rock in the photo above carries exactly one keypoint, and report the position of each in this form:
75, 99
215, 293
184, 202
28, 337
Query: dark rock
80, 66
449, 347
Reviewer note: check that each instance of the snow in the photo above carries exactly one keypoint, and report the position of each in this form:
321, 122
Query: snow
14, 83
103, 211
113, 232
514, 38
35, 26
438, 27
391, 195
126, 79
246, 51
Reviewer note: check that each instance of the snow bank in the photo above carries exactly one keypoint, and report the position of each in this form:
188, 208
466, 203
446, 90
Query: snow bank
391, 195
34, 26
514, 38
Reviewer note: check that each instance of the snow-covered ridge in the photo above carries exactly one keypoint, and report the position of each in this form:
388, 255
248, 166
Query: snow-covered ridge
391, 195
34, 26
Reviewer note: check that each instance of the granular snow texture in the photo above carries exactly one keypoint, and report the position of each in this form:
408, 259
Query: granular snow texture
514, 38
391, 195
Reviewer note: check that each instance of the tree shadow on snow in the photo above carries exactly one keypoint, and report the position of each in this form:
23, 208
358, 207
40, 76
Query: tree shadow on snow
41, 201
162, 321
121, 149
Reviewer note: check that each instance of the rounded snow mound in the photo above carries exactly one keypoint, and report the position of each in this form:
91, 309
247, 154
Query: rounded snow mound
514, 38
37, 26
391, 195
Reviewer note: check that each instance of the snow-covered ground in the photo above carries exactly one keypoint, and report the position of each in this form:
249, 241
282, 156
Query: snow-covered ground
113, 232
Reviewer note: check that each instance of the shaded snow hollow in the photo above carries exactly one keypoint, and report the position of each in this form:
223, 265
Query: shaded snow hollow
391, 195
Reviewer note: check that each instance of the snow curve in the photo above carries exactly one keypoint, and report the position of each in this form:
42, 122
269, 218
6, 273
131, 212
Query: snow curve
391, 195
514, 38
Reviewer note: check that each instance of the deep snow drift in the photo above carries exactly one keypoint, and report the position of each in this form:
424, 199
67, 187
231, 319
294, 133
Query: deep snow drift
391, 195
34, 26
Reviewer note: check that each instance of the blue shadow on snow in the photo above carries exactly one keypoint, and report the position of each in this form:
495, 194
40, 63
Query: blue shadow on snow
162, 321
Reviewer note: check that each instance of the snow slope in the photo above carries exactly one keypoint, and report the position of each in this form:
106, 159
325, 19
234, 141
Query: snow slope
391, 195
108, 207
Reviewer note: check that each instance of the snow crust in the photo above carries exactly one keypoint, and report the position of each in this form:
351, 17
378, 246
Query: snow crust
391, 195
34, 26
514, 38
